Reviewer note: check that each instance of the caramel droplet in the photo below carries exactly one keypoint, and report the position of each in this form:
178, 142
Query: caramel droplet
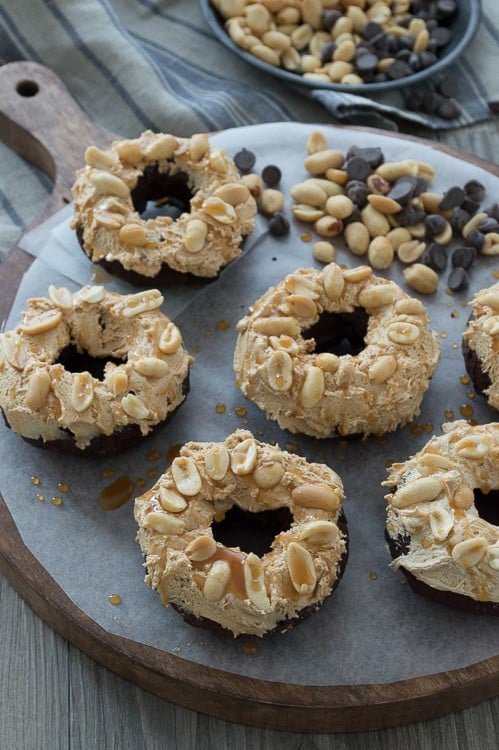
114, 599
464, 379
306, 237
241, 411
466, 410
108, 473
35, 480
220, 408
63, 487
116, 494
223, 325
250, 648
57, 500
153, 455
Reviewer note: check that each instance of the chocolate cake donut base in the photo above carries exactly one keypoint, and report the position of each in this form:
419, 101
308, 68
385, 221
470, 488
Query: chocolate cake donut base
164, 277
400, 546
480, 379
103, 445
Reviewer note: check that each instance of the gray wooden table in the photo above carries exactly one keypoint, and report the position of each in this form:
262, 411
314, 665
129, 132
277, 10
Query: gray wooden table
54, 697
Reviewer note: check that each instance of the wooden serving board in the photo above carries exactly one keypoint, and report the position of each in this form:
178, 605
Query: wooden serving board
41, 121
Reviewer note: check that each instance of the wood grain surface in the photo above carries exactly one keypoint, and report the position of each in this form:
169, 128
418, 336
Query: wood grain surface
50, 674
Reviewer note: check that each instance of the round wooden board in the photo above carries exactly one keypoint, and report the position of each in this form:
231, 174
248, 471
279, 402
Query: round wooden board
30, 95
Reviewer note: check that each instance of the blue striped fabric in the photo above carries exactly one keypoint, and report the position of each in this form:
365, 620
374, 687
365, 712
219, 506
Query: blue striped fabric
137, 64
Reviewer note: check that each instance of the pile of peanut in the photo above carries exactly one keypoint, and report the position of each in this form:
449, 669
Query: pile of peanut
375, 224
351, 42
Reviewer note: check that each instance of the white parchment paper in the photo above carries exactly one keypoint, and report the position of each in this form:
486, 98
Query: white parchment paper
374, 629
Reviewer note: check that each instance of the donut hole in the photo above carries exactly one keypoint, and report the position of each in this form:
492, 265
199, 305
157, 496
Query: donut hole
251, 532
161, 194
78, 360
339, 333
487, 505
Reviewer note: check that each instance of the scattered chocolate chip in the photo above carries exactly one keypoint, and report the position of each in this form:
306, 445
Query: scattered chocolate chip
435, 256
357, 168
459, 219
493, 210
453, 198
475, 191
449, 85
271, 175
278, 225
448, 109
372, 154
327, 52
434, 224
357, 191
488, 225
475, 239
463, 257
458, 279
245, 160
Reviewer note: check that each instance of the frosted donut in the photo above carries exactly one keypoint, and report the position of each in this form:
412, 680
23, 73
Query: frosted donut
93, 371
442, 517
481, 344
112, 190
195, 531
284, 363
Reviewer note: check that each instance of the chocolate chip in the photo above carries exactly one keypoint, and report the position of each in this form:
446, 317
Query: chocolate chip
357, 168
448, 109
366, 63
372, 29
245, 160
469, 205
278, 225
442, 36
271, 175
403, 189
327, 52
434, 224
463, 257
357, 191
488, 225
474, 190
329, 18
493, 210
435, 256
372, 154
459, 219
398, 69
449, 85
475, 239
453, 198
458, 279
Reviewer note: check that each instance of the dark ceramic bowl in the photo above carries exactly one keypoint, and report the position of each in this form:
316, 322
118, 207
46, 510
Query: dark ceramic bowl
464, 25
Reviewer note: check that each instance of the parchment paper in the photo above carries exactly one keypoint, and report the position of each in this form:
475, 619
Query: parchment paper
373, 629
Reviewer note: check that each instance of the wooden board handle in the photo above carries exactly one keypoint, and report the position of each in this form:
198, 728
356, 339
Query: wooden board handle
41, 121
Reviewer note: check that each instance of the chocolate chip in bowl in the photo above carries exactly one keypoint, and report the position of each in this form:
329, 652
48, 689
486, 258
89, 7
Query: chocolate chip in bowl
349, 48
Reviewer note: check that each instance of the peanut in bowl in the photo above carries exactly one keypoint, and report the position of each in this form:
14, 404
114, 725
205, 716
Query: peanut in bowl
360, 48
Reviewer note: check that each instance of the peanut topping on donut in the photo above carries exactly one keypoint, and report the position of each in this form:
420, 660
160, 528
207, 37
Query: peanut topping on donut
219, 209
482, 338
241, 590
44, 399
372, 390
433, 520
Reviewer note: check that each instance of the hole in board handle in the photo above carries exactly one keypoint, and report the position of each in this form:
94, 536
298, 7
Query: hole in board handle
27, 88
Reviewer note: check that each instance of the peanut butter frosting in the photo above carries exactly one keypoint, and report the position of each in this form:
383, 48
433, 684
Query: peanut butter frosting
432, 509
319, 393
199, 242
240, 591
482, 335
145, 365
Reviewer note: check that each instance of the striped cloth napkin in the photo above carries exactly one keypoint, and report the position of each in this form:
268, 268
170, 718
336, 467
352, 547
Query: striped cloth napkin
137, 64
